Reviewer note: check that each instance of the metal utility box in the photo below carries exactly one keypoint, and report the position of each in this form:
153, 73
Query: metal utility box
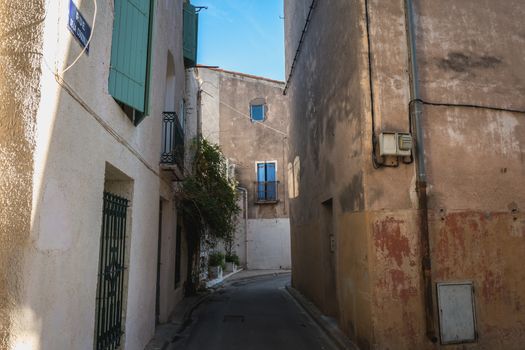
387, 144
395, 144
404, 144
457, 316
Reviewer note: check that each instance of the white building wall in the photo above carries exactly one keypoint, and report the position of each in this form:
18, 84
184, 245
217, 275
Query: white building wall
171, 294
80, 130
269, 244
210, 85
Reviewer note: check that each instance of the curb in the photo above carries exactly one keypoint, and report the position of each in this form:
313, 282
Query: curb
214, 284
162, 343
333, 332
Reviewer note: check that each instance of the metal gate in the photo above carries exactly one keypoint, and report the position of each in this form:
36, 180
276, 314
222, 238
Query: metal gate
111, 273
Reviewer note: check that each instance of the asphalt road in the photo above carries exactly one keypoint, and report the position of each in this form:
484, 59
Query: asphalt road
254, 313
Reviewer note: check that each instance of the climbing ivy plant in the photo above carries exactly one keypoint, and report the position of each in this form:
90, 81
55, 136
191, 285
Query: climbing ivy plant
209, 201
209, 197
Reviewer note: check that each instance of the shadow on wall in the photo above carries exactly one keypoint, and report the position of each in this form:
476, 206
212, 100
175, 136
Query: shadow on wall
20, 56
42, 211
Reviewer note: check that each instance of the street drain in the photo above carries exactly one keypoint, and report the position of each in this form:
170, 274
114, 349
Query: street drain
233, 318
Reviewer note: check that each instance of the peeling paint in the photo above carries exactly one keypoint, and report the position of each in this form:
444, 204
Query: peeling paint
492, 286
475, 161
388, 239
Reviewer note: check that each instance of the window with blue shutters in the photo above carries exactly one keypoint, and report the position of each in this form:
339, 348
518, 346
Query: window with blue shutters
130, 56
258, 110
266, 185
257, 113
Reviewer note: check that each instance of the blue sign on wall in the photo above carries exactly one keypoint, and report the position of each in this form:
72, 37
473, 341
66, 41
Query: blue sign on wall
78, 26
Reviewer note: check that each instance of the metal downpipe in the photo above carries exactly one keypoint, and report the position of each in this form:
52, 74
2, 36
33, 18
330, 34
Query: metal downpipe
416, 113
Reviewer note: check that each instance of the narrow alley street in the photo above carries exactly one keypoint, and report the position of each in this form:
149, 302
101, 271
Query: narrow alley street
262, 174
252, 313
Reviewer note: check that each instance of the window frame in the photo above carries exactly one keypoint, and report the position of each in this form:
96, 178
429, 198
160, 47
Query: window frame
252, 106
258, 102
275, 198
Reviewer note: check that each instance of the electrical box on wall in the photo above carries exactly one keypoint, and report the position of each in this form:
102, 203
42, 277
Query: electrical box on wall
395, 144
457, 316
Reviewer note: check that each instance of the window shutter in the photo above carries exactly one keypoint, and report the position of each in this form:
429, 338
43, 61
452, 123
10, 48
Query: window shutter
191, 24
129, 53
271, 178
261, 172
270, 172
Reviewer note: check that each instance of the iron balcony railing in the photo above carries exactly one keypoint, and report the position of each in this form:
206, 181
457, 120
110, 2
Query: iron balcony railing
266, 192
172, 140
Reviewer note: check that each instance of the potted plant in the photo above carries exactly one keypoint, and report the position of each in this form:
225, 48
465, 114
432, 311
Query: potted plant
232, 262
216, 265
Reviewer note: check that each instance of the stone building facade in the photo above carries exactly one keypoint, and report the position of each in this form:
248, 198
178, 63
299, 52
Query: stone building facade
248, 117
398, 265
92, 252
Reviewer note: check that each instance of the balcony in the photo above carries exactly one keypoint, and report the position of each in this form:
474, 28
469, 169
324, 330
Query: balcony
172, 155
266, 192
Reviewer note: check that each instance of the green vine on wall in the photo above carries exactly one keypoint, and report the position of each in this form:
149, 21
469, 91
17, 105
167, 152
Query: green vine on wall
209, 203
209, 197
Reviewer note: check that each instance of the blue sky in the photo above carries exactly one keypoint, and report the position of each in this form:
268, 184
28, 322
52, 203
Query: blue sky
242, 35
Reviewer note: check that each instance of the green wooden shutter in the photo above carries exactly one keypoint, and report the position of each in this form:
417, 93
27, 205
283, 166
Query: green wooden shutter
191, 25
129, 53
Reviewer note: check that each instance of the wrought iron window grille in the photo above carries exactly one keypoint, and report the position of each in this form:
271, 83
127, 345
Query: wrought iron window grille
172, 140
266, 192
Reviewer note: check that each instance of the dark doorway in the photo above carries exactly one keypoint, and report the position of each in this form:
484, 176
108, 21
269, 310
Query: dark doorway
329, 256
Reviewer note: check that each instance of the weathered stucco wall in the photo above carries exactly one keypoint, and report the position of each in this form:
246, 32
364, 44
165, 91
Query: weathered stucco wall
168, 35
172, 293
211, 96
80, 131
226, 101
468, 54
478, 230
21, 28
327, 132
245, 142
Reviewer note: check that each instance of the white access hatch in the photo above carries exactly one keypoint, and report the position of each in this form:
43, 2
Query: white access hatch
457, 317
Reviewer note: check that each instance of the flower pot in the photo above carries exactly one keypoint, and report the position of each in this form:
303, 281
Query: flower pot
214, 272
231, 267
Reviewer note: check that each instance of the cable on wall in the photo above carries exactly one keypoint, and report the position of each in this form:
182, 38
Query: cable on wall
375, 162
87, 43
301, 41
245, 115
466, 105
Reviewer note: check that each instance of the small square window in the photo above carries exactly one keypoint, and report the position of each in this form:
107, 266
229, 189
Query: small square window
257, 112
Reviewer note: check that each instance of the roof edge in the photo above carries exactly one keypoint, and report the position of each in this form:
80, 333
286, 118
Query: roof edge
218, 69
